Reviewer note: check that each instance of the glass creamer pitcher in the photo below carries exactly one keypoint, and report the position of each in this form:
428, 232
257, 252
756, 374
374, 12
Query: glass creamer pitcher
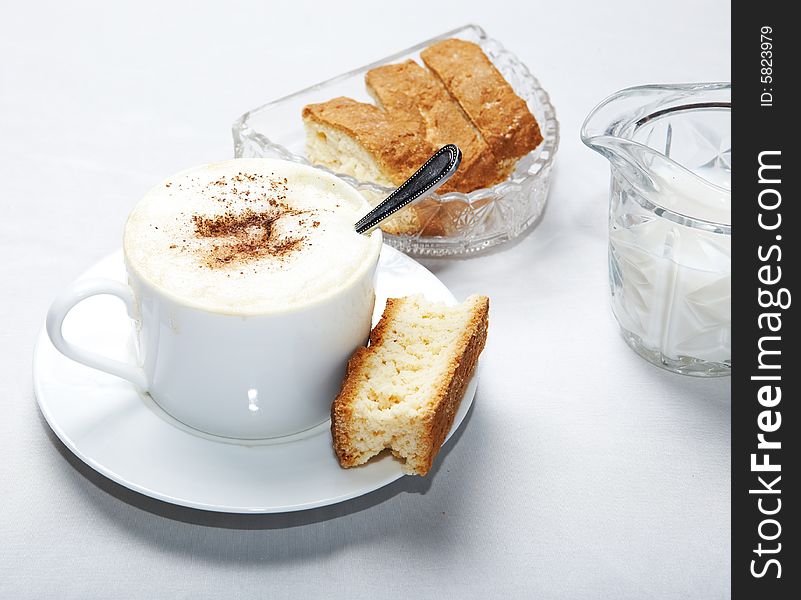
670, 221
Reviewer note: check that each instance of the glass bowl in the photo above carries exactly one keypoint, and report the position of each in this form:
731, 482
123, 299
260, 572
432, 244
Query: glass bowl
476, 221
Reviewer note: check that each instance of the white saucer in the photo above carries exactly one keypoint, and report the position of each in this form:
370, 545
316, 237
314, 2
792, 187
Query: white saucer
129, 439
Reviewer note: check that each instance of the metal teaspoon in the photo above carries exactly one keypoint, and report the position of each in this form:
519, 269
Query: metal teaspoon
434, 172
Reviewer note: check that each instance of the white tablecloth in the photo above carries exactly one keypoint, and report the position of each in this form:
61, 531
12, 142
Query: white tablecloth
582, 472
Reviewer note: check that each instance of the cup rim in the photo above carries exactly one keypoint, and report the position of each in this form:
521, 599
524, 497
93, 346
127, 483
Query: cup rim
366, 267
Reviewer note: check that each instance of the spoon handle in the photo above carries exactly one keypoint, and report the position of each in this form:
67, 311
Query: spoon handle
436, 171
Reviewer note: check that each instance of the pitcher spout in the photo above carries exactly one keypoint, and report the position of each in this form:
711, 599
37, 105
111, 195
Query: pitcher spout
622, 113
668, 141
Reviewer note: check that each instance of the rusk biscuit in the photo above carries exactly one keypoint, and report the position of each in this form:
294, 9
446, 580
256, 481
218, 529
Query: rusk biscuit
402, 392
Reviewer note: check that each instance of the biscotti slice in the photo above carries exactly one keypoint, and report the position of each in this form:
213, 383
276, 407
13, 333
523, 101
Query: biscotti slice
402, 391
364, 141
502, 117
412, 91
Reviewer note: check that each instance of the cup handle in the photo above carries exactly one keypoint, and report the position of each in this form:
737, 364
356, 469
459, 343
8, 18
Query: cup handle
64, 303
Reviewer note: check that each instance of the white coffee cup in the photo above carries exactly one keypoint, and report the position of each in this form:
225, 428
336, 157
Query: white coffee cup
246, 375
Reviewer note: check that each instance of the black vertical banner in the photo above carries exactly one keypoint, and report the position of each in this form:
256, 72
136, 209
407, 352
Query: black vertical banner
765, 302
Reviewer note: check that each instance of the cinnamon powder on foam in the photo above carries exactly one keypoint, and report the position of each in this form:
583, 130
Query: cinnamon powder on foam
245, 236
248, 235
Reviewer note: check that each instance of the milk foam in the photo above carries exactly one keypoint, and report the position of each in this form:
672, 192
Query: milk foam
249, 236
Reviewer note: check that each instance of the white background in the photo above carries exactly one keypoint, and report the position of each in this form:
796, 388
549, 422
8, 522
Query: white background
582, 472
